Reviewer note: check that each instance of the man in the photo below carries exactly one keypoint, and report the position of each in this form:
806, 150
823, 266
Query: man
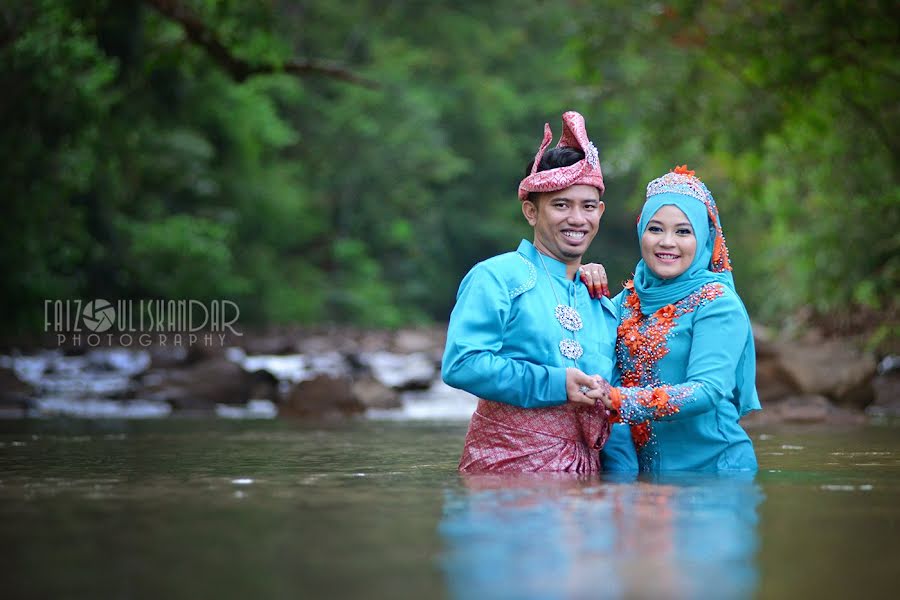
525, 335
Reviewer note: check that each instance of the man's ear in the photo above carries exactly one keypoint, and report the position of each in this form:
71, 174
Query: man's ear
530, 210
600, 208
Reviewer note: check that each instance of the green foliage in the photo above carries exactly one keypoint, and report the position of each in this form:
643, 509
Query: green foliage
788, 110
140, 166
192, 251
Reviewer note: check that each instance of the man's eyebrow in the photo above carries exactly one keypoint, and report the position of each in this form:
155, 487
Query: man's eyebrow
565, 199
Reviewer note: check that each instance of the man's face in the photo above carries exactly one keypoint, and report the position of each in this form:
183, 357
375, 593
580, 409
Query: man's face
565, 222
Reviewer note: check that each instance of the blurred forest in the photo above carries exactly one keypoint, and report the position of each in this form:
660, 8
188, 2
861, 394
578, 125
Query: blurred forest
322, 161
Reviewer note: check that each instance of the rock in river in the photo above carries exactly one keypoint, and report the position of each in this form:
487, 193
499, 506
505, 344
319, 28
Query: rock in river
199, 387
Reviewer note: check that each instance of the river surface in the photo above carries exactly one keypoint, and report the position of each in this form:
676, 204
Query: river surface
183, 508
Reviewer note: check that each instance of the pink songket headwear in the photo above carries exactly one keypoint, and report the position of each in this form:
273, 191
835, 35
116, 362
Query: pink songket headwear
584, 172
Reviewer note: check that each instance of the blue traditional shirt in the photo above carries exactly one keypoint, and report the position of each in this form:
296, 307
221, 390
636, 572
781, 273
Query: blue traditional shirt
503, 337
677, 369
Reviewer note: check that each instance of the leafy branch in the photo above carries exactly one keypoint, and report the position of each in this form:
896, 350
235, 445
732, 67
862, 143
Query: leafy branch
200, 34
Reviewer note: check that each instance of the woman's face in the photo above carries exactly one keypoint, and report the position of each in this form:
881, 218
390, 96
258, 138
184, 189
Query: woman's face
668, 244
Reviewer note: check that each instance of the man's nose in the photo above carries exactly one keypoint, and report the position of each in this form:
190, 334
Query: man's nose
577, 215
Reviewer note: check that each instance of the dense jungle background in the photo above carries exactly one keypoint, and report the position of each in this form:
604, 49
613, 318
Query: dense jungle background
347, 162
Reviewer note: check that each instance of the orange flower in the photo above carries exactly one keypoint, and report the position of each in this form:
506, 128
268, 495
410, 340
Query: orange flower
659, 399
632, 341
615, 399
683, 170
655, 399
641, 434
666, 313
632, 321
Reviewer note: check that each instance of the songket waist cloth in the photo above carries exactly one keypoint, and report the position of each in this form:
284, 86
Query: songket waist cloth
503, 438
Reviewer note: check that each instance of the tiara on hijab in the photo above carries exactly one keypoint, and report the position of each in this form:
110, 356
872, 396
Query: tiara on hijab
679, 180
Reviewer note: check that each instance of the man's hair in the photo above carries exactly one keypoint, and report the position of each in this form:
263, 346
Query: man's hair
554, 159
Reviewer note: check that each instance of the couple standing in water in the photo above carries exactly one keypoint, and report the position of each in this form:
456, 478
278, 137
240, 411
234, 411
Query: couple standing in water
655, 379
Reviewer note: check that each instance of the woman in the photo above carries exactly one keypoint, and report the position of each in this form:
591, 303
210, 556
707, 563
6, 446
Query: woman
685, 358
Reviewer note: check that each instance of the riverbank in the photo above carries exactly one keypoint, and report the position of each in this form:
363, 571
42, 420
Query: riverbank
338, 372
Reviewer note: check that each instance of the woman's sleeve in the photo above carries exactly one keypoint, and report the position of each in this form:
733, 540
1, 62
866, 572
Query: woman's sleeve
720, 331
472, 360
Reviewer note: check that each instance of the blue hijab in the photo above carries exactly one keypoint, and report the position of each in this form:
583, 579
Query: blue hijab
655, 292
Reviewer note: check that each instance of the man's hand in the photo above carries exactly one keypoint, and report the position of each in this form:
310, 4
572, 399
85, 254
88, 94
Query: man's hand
579, 386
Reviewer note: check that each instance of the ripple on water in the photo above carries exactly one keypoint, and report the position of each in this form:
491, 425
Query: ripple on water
96, 408
872, 453
847, 488
255, 409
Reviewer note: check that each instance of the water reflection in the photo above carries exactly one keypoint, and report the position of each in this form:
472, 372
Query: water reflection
563, 536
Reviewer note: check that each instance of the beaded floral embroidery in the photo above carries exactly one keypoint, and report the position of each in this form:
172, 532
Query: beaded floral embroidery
641, 344
529, 283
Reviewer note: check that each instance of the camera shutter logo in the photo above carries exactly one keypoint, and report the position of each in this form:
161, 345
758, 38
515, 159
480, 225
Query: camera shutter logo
99, 315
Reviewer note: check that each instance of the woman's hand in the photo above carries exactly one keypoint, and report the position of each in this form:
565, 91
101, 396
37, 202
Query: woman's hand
593, 275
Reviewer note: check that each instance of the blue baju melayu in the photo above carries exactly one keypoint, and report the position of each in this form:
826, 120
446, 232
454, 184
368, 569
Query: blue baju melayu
503, 346
503, 339
685, 357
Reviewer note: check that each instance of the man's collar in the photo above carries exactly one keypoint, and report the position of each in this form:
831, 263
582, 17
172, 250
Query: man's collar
555, 267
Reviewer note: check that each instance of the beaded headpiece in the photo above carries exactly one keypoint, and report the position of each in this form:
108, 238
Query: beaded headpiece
586, 171
682, 181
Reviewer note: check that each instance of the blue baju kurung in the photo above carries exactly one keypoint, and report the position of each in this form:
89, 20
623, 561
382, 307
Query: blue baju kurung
684, 353
681, 375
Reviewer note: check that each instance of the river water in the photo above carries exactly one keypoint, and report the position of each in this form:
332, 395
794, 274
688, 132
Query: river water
182, 508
